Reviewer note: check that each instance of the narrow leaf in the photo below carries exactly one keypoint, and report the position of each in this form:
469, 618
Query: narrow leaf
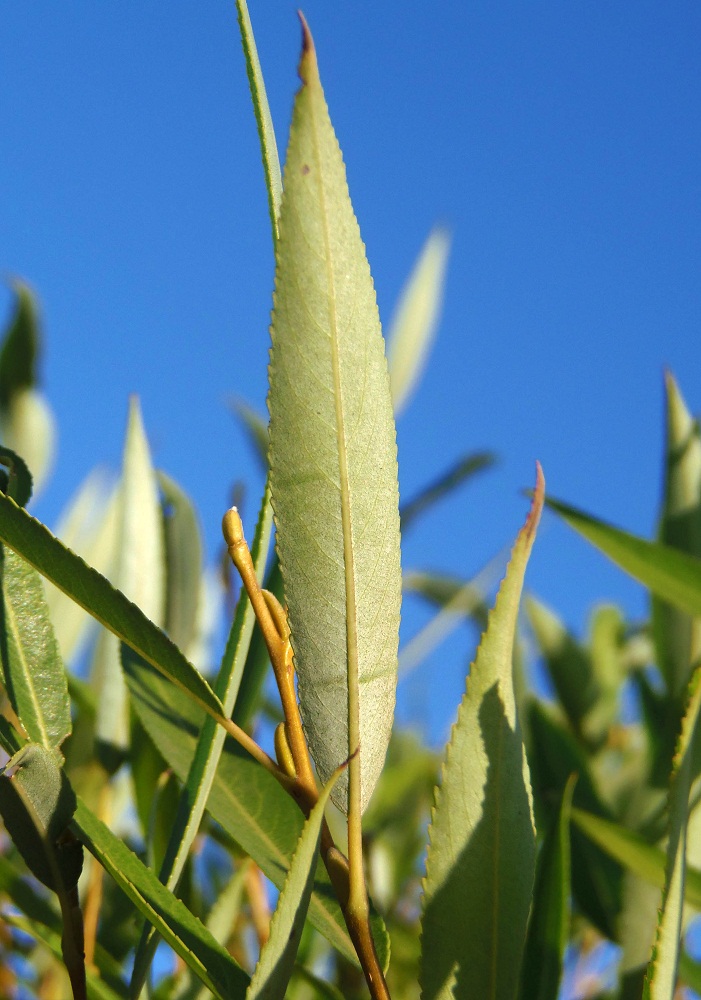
548, 928
244, 799
33, 670
204, 763
277, 957
661, 979
333, 457
88, 526
261, 109
677, 636
634, 853
672, 575
67, 571
139, 574
183, 558
183, 932
416, 317
27, 424
481, 854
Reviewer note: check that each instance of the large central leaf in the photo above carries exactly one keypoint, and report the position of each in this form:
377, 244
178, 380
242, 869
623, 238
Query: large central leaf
333, 455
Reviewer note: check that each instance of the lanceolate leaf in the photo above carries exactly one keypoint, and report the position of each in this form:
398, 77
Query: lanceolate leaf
34, 674
481, 855
672, 575
277, 956
416, 318
677, 635
35, 543
661, 977
333, 456
139, 573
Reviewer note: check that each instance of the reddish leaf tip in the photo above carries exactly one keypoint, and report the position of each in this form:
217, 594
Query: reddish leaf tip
537, 502
308, 51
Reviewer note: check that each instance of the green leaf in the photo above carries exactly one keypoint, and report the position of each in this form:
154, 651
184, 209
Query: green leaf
88, 526
27, 424
416, 317
17, 481
261, 109
554, 754
37, 803
203, 765
677, 636
548, 928
661, 979
245, 800
183, 557
182, 931
481, 854
139, 573
67, 571
333, 457
33, 670
568, 664
672, 575
21, 346
462, 470
632, 851
277, 957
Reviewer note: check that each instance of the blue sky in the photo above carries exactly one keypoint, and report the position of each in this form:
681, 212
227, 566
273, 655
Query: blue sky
559, 142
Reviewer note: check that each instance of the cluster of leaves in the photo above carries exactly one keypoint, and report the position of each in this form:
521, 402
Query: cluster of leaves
138, 806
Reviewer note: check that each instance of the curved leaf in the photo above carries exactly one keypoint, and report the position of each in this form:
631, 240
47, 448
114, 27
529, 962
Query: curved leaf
67, 571
672, 575
333, 457
481, 854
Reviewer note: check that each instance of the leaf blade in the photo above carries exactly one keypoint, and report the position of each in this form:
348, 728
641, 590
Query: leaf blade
88, 588
481, 855
333, 451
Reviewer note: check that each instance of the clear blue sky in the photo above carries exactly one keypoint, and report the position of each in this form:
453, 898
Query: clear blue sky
559, 141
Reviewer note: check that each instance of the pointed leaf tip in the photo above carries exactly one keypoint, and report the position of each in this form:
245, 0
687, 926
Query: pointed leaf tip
308, 58
537, 503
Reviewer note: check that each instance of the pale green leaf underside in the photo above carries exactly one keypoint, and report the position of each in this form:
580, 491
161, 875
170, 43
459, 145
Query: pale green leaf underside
481, 856
415, 321
333, 456
277, 956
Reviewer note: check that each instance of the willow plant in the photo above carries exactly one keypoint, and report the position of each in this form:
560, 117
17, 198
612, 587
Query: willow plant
548, 824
